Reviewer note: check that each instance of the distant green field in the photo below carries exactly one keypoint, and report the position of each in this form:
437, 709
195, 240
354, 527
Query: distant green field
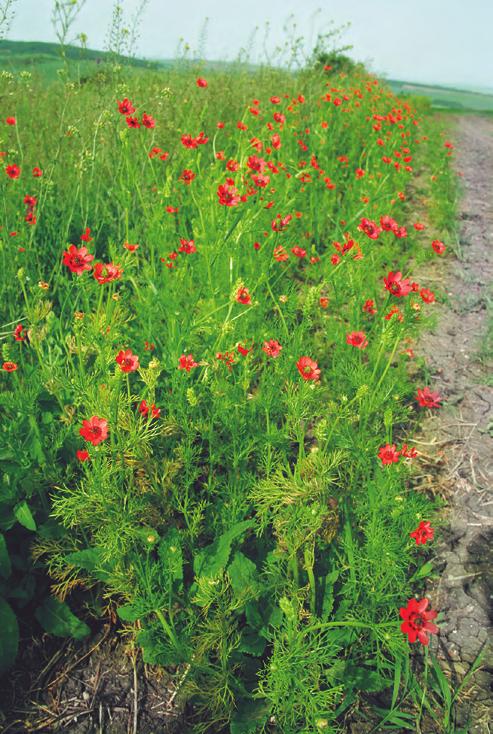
45, 59
445, 97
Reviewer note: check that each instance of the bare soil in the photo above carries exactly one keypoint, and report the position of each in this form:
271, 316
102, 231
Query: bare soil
462, 432
98, 686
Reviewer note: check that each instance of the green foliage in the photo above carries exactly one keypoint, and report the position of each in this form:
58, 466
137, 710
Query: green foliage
57, 618
236, 514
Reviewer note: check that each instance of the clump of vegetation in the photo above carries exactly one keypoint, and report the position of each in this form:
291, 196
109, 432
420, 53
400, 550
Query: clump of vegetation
208, 319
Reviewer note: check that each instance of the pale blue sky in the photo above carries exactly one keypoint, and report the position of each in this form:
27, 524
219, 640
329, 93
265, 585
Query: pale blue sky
441, 41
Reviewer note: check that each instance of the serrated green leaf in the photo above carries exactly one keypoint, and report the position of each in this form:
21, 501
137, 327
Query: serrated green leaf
128, 613
57, 618
244, 575
89, 559
251, 642
213, 559
328, 595
249, 716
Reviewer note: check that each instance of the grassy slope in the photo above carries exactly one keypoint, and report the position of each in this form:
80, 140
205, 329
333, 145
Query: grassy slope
45, 58
445, 97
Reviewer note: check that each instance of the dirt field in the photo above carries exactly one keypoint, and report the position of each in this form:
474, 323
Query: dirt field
463, 430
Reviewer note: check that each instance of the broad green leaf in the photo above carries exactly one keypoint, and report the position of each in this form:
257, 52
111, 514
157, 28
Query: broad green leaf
363, 679
9, 636
249, 716
328, 597
423, 571
251, 642
213, 559
129, 613
24, 516
244, 576
56, 618
5, 565
89, 559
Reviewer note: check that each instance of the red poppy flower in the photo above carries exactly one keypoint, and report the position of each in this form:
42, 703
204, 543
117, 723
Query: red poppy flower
187, 246
125, 107
396, 285
129, 247
298, 252
428, 399
408, 453
272, 348
308, 368
260, 180
148, 121
106, 272
243, 350
18, 333
423, 533
324, 302
186, 362
388, 223
128, 362
77, 259
132, 122
94, 430
394, 311
144, 409
37, 172
30, 201
279, 224
82, 454
201, 82
11, 121
13, 171
187, 176
369, 307
371, 229
188, 141
438, 246
9, 366
427, 295
400, 232
357, 339
257, 164
243, 296
86, 237
389, 454
280, 254
228, 194
417, 622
